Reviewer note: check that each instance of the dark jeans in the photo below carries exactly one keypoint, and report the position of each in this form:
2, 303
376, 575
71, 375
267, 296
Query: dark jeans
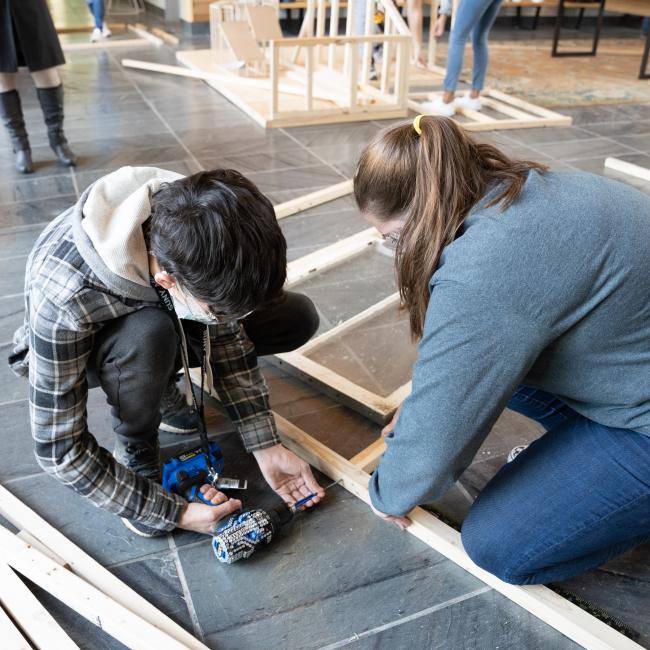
574, 499
135, 356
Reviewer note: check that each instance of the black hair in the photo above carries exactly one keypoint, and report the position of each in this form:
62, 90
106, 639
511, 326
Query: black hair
217, 235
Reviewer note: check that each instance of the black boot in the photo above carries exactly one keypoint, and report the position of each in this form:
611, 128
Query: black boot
12, 116
51, 100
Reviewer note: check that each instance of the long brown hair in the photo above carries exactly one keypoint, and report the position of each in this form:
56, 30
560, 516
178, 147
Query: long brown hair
432, 180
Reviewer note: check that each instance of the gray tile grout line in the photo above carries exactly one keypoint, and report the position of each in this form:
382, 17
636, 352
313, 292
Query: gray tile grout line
187, 595
38, 198
14, 257
156, 112
8, 296
306, 148
407, 619
74, 182
18, 479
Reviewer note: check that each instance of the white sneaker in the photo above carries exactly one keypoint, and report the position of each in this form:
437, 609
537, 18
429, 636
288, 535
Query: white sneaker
438, 107
96, 35
473, 103
106, 32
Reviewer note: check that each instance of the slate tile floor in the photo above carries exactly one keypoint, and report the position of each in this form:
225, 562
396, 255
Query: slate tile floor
338, 577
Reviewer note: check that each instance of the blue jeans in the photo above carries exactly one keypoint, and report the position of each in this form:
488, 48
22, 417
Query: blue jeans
477, 17
97, 9
574, 499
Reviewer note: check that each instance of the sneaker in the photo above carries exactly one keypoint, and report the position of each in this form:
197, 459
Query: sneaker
438, 107
144, 459
515, 451
141, 529
96, 35
177, 416
473, 103
373, 76
106, 32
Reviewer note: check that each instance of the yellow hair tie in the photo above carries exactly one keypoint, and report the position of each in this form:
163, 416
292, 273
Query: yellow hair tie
416, 124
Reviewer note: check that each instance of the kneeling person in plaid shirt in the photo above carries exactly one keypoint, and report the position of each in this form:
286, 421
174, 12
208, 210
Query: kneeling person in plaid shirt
94, 318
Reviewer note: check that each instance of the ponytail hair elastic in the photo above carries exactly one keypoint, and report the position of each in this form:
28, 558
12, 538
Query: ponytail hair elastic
416, 124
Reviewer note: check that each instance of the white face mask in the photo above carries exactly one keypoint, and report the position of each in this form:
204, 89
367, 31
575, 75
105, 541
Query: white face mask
188, 309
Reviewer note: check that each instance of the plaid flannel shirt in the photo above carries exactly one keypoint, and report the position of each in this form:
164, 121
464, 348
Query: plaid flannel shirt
66, 304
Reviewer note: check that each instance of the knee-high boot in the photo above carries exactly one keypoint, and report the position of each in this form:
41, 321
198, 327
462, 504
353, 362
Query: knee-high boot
11, 112
51, 100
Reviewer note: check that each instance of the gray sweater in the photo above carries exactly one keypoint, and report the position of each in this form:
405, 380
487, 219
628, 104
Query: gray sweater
554, 293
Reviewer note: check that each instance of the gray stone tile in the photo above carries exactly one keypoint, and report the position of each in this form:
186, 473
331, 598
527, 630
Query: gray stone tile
335, 134
11, 317
582, 149
307, 571
262, 161
18, 241
349, 288
12, 388
639, 141
85, 178
488, 620
17, 458
615, 129
308, 232
12, 279
98, 532
35, 212
534, 137
593, 114
306, 178
32, 189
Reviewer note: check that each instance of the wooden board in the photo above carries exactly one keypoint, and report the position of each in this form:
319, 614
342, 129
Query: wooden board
241, 41
88, 601
105, 44
36, 622
313, 199
24, 518
11, 637
518, 114
540, 601
628, 168
264, 22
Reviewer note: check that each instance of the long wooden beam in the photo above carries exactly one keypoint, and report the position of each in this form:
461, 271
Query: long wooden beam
88, 601
105, 44
11, 637
540, 601
36, 622
84, 566
628, 168
313, 199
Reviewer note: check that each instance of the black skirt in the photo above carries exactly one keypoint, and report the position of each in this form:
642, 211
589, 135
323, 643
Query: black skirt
28, 36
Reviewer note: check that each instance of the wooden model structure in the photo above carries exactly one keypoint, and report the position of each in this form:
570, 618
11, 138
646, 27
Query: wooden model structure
313, 79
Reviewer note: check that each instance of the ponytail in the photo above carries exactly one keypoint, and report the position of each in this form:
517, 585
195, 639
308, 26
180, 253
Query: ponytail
431, 178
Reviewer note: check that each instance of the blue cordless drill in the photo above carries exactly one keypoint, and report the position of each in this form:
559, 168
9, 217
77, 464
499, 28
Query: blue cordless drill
185, 474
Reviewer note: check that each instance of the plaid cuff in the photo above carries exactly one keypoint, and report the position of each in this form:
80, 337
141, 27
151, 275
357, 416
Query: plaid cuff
258, 433
162, 509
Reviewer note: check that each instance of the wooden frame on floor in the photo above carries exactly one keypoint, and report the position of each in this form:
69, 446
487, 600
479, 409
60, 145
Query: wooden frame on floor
375, 407
567, 618
628, 168
518, 114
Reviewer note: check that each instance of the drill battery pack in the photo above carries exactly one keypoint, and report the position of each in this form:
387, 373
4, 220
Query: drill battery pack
185, 474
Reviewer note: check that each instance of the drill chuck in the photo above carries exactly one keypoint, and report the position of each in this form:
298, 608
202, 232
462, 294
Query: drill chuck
243, 533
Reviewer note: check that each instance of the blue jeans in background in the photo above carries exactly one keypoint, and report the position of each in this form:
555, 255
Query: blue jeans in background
574, 499
97, 9
477, 17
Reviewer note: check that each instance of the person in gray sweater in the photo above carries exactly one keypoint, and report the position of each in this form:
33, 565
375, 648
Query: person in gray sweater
529, 289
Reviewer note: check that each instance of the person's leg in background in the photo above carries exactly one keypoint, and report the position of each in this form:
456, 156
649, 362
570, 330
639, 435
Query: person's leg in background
574, 499
468, 14
97, 9
480, 48
11, 112
414, 12
50, 96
